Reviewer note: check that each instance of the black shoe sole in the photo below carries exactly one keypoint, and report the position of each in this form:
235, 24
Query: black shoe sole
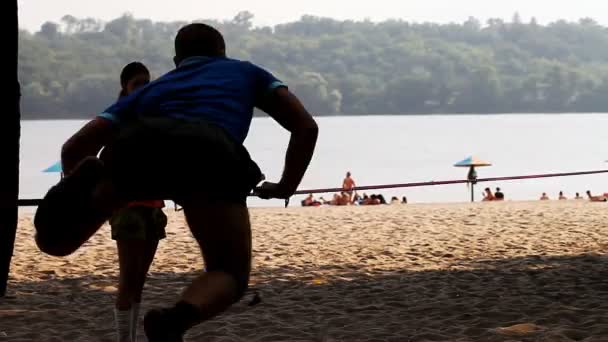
157, 328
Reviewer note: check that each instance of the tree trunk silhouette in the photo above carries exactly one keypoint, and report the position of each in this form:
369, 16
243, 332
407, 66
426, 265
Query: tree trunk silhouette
10, 131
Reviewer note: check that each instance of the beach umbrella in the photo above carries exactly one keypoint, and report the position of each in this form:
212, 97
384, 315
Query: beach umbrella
472, 162
55, 168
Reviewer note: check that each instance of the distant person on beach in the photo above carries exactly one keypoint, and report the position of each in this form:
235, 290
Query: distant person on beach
181, 136
499, 195
348, 185
596, 198
395, 200
578, 197
375, 199
561, 196
404, 200
487, 195
544, 197
310, 201
137, 230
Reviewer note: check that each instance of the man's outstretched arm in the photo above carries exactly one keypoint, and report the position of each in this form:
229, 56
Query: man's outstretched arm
88, 141
285, 108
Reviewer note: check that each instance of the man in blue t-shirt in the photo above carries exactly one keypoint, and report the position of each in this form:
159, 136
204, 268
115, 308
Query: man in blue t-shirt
191, 124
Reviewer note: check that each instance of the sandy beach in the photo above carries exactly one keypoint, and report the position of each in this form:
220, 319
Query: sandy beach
512, 271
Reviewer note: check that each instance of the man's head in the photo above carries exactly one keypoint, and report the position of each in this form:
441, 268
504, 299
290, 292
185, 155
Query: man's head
348, 174
198, 40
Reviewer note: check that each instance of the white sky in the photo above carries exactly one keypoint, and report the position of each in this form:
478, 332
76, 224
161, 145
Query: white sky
268, 12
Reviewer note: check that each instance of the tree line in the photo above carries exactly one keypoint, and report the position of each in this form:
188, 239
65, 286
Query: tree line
70, 69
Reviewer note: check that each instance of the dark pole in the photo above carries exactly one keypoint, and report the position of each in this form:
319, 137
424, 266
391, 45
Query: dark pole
10, 131
472, 192
472, 178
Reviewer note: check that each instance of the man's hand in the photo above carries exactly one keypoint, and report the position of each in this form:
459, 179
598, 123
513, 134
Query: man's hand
285, 108
270, 190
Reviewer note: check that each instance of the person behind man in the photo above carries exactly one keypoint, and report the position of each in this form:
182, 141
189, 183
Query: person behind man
561, 196
544, 197
578, 196
197, 115
499, 195
137, 229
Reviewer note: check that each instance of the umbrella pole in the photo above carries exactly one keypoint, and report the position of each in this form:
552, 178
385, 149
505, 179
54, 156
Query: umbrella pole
472, 192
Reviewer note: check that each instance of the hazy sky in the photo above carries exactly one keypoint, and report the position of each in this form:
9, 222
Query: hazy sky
267, 12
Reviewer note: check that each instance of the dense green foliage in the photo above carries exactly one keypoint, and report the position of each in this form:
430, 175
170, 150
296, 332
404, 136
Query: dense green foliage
71, 69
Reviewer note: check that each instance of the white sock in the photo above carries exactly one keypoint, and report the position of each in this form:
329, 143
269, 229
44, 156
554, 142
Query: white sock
122, 319
134, 320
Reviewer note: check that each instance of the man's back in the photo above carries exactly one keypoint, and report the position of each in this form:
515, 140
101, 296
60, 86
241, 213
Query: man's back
219, 90
348, 183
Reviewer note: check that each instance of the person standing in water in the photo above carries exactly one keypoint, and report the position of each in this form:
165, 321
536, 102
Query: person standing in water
137, 229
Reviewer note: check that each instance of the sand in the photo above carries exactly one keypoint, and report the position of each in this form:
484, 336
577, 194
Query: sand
513, 271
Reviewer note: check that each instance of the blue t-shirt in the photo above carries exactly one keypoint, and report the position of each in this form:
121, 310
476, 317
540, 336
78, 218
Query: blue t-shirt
221, 91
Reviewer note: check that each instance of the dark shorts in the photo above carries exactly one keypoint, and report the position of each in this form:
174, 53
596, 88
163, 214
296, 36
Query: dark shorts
139, 223
179, 160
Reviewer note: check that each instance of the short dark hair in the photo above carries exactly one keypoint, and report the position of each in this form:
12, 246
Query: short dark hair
199, 40
131, 70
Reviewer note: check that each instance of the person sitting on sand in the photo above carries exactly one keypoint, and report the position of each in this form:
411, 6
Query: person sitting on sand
381, 199
307, 202
561, 196
499, 195
596, 198
395, 200
578, 196
544, 197
310, 201
374, 200
137, 229
345, 198
487, 195
204, 106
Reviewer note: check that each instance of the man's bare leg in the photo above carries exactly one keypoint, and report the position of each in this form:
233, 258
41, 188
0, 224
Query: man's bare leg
223, 232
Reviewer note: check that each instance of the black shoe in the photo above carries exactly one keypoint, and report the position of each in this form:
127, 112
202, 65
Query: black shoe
159, 327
